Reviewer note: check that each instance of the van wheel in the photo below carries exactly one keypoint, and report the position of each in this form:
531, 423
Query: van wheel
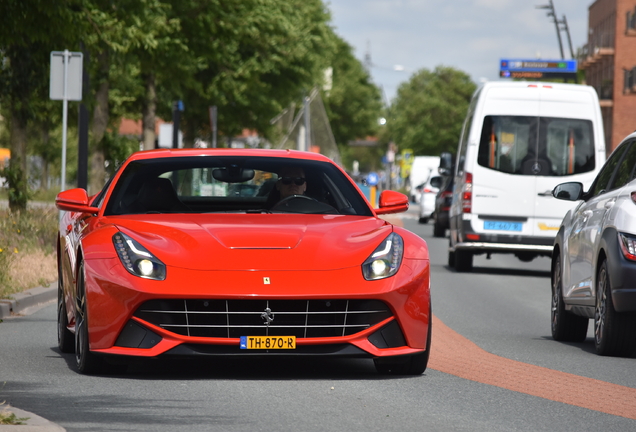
423, 220
566, 327
451, 256
438, 230
463, 261
614, 333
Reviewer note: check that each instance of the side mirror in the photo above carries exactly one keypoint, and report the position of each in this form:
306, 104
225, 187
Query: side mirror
392, 202
437, 181
445, 163
571, 191
75, 200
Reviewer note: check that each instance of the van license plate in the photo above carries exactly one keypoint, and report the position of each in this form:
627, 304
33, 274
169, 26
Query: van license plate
503, 226
268, 342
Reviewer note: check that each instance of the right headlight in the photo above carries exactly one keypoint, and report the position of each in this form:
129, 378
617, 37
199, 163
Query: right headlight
385, 260
136, 258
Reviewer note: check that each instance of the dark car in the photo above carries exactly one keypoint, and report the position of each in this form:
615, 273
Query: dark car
442, 206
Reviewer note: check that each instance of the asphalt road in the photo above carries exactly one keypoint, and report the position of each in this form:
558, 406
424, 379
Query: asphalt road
494, 320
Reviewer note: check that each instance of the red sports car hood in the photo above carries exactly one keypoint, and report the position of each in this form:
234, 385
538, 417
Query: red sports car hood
259, 242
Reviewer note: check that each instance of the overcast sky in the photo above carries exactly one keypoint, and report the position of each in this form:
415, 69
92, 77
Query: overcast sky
469, 35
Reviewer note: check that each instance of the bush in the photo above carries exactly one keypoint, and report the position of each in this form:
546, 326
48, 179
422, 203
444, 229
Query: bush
27, 249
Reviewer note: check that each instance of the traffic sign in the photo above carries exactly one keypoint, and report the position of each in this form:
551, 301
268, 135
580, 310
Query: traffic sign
372, 179
72, 62
537, 69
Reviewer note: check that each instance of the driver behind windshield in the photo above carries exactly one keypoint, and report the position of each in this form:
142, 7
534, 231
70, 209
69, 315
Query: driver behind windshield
291, 181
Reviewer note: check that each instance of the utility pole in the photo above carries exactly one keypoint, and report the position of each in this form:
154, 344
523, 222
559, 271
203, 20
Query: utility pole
567, 32
552, 13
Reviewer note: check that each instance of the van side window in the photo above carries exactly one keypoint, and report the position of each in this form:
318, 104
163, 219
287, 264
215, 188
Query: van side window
463, 139
544, 146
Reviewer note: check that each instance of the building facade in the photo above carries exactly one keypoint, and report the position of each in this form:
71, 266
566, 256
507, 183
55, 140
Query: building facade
609, 61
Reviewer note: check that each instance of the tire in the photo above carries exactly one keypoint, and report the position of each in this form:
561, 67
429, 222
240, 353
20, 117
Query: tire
87, 363
463, 261
65, 339
451, 256
438, 230
414, 364
566, 327
614, 333
423, 220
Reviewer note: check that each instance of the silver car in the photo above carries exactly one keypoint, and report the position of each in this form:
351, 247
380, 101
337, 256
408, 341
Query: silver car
427, 198
594, 258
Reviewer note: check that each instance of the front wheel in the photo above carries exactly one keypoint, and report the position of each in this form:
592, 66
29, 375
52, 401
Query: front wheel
463, 261
87, 362
566, 327
414, 364
438, 230
65, 341
614, 333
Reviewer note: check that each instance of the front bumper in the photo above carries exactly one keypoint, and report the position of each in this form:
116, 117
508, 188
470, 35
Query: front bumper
114, 297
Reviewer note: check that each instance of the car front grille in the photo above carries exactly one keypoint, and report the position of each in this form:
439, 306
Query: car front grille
236, 318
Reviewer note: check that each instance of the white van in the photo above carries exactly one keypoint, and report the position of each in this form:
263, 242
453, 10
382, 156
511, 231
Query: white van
519, 140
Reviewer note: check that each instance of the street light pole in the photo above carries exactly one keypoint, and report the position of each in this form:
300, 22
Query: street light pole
552, 13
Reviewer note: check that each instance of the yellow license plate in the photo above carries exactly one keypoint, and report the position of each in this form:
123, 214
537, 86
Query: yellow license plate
268, 342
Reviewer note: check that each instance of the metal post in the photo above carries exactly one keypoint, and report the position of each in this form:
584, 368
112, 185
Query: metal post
176, 120
67, 57
307, 125
567, 32
82, 150
552, 13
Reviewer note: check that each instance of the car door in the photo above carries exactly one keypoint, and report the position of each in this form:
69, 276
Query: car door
586, 227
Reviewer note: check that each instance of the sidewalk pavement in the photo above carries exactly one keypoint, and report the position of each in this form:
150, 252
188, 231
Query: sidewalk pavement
23, 304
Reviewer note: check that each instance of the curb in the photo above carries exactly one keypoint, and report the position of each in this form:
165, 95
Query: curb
34, 423
19, 303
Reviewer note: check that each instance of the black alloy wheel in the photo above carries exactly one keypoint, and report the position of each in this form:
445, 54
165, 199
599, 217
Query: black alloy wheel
566, 327
87, 362
414, 364
65, 339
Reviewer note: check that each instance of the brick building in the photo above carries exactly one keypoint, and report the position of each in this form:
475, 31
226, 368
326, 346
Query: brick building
609, 61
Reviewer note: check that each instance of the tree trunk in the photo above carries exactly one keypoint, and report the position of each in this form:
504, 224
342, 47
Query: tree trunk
17, 176
44, 178
98, 128
149, 112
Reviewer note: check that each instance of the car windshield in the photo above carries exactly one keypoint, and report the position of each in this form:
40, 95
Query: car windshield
231, 184
515, 144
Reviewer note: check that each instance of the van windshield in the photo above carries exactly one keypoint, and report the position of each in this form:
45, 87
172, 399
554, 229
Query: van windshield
546, 146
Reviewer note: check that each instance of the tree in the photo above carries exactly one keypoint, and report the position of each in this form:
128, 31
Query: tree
254, 57
429, 110
354, 104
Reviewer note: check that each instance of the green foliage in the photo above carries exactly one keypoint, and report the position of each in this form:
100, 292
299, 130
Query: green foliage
354, 104
117, 148
17, 187
29, 230
429, 110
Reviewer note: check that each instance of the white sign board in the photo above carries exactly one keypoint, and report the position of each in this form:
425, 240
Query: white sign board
73, 78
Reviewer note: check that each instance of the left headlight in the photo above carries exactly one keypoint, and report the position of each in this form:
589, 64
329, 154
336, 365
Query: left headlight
385, 260
136, 258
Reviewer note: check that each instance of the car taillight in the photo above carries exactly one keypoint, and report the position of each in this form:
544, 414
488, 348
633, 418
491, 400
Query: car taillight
628, 246
427, 190
633, 195
467, 193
